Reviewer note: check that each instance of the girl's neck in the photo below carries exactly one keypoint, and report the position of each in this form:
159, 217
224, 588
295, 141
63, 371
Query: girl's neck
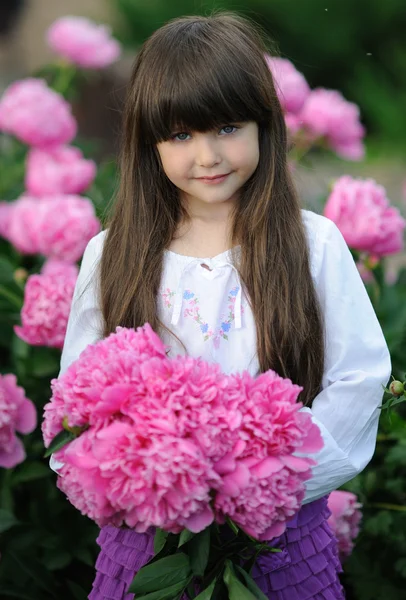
202, 237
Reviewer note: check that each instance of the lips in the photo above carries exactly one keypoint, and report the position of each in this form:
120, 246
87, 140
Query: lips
214, 177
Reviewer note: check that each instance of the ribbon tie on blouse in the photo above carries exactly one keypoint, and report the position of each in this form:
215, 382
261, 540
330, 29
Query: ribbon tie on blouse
212, 264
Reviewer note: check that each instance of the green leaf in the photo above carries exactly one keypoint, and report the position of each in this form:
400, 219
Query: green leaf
54, 560
199, 550
160, 539
6, 270
59, 441
44, 362
30, 471
207, 593
170, 593
185, 536
161, 574
7, 520
236, 590
251, 585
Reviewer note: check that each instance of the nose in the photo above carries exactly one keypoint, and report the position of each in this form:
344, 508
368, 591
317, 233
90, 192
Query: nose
207, 153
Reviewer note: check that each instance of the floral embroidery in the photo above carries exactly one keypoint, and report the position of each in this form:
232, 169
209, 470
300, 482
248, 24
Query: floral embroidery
192, 310
167, 296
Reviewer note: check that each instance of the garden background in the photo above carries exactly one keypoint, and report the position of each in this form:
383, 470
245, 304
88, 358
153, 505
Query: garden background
357, 47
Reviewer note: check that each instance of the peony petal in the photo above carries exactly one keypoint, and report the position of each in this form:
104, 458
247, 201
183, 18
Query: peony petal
200, 521
26, 417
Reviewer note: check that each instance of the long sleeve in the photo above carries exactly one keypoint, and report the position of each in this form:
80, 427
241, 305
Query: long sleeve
357, 364
85, 320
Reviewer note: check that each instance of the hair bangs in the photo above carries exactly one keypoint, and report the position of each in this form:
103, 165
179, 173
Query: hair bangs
201, 92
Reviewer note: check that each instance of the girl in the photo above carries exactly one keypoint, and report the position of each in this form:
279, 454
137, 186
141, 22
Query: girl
208, 244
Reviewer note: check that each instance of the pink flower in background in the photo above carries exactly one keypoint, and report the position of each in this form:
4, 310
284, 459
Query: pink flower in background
361, 210
344, 520
291, 86
59, 268
17, 414
47, 301
61, 170
36, 115
163, 438
5, 215
327, 114
20, 226
83, 42
58, 226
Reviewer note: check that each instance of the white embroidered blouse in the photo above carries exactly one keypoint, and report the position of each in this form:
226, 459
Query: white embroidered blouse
206, 307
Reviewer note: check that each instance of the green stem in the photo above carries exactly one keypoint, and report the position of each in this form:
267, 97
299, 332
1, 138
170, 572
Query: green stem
64, 78
14, 299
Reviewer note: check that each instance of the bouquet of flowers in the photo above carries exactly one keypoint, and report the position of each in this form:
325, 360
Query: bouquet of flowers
175, 444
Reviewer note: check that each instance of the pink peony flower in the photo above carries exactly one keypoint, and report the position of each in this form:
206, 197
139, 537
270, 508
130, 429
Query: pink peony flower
57, 226
361, 210
83, 42
326, 114
36, 115
262, 480
59, 268
291, 86
61, 170
261, 496
161, 436
5, 214
17, 414
344, 520
47, 301
146, 477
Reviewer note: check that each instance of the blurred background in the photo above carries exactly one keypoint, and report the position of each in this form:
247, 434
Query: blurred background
357, 47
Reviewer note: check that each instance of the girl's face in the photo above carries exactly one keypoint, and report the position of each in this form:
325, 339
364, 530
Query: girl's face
211, 167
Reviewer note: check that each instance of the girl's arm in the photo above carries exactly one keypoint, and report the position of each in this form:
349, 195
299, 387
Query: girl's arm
357, 364
85, 320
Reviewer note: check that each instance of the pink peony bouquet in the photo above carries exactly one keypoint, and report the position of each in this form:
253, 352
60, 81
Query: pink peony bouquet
148, 441
175, 443
344, 520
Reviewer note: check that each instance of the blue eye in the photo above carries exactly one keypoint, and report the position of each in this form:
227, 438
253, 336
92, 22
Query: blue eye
228, 127
177, 136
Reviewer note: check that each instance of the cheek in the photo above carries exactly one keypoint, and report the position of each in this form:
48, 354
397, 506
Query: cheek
173, 163
247, 155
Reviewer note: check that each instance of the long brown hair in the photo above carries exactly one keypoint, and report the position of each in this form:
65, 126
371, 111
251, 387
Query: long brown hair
200, 73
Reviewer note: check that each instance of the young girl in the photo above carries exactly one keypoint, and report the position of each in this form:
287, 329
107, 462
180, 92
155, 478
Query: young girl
208, 244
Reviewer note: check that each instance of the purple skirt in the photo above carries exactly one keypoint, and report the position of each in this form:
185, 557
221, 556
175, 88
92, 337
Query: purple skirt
306, 569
